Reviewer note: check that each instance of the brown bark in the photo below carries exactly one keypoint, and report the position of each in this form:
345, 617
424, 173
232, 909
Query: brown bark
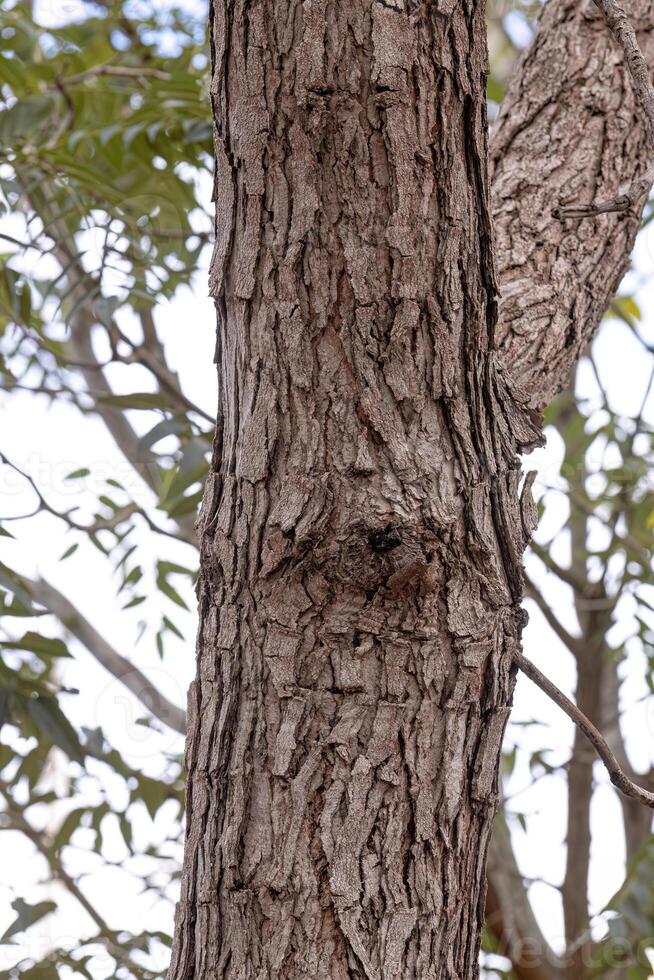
362, 529
588, 653
342, 372
569, 132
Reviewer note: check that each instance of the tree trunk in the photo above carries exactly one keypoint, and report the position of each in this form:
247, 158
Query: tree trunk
362, 528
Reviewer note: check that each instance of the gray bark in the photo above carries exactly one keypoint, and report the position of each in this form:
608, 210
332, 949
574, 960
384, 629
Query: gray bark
569, 133
362, 527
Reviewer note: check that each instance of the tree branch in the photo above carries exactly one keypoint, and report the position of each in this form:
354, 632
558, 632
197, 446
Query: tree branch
619, 779
569, 130
509, 915
590, 664
21, 823
625, 36
121, 668
573, 643
637, 821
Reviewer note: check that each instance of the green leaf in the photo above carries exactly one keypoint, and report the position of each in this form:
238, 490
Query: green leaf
5, 706
126, 831
132, 577
167, 427
78, 474
69, 551
173, 629
136, 601
44, 646
26, 916
138, 401
171, 593
152, 792
68, 827
50, 719
47, 971
25, 117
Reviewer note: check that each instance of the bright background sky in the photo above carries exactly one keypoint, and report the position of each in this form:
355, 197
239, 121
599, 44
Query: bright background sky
49, 441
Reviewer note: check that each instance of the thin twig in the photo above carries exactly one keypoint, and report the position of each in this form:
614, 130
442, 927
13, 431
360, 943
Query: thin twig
100, 524
20, 822
619, 779
120, 71
625, 36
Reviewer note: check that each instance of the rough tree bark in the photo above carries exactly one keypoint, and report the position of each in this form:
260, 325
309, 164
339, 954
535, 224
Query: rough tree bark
569, 132
362, 528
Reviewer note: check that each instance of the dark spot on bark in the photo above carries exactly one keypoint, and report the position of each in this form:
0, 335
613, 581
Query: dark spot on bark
384, 538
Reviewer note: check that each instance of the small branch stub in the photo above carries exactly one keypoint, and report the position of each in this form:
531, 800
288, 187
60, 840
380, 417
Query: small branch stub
625, 36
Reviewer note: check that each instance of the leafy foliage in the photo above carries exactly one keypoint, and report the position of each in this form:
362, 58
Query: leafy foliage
105, 156
105, 174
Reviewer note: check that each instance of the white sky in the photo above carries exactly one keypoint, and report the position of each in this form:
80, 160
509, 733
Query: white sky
50, 441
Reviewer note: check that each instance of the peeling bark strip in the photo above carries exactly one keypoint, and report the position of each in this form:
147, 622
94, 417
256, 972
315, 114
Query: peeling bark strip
362, 529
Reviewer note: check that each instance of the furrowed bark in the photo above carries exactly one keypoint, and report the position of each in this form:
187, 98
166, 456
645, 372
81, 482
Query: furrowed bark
569, 132
362, 527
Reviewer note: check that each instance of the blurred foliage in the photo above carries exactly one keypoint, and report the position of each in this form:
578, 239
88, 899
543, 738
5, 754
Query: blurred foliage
105, 174
105, 156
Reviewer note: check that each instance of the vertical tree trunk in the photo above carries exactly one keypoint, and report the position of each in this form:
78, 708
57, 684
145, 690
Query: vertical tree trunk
362, 528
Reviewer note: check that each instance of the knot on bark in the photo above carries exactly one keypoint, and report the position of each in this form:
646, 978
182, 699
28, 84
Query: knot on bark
396, 556
384, 538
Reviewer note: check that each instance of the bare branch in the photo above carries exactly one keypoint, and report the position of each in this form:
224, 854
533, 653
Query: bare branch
619, 779
121, 668
120, 71
573, 643
152, 355
82, 289
509, 915
20, 822
569, 131
637, 821
101, 523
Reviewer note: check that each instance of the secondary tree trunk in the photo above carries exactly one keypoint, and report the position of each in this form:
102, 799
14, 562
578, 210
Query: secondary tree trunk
362, 528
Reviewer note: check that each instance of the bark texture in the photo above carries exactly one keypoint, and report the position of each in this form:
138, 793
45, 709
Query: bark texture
362, 528
569, 132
